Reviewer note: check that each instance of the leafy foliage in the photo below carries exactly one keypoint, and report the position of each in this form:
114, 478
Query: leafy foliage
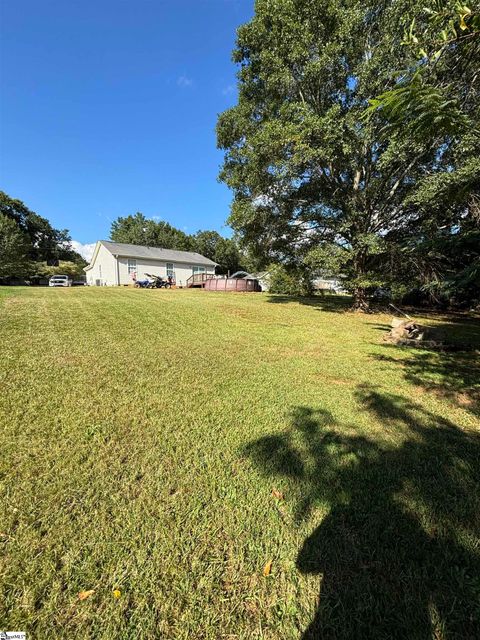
27, 238
137, 229
436, 93
65, 267
223, 251
436, 101
314, 180
292, 282
13, 249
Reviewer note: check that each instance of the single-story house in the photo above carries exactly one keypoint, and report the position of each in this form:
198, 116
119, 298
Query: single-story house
115, 263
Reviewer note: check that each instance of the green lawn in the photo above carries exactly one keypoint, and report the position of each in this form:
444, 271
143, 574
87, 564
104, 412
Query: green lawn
142, 436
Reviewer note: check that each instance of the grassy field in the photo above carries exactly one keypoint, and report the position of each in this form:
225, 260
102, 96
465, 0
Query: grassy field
171, 444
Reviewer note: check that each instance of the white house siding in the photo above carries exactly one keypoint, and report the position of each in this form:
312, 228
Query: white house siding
329, 284
110, 269
156, 267
103, 271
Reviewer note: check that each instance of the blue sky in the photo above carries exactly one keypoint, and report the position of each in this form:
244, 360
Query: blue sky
109, 107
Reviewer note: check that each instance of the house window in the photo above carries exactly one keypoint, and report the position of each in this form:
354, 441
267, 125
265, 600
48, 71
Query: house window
198, 269
100, 271
170, 270
132, 267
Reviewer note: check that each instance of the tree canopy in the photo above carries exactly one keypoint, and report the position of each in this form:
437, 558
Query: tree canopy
223, 251
14, 249
438, 90
138, 229
28, 240
316, 183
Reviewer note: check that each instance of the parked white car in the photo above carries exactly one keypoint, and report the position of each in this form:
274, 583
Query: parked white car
59, 281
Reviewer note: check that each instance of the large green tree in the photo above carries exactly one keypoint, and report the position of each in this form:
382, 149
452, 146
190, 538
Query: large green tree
439, 252
14, 249
138, 229
46, 244
314, 181
28, 242
437, 97
224, 251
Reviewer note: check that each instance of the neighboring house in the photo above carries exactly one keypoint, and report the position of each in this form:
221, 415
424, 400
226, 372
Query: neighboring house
329, 283
114, 263
263, 278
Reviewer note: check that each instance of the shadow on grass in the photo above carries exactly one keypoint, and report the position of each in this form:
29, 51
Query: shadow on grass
398, 551
326, 302
453, 374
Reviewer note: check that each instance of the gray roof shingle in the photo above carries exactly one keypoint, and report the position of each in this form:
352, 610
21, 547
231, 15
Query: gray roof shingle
155, 253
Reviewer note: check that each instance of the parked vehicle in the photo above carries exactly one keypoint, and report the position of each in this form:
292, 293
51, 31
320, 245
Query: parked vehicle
143, 284
59, 281
380, 294
153, 282
157, 282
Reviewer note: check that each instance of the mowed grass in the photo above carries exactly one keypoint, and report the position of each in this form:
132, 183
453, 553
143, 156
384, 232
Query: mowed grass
170, 444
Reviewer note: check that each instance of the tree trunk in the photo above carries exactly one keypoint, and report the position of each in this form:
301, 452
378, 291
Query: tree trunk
360, 301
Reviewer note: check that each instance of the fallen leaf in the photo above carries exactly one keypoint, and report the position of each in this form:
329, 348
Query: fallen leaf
267, 568
277, 494
83, 595
117, 593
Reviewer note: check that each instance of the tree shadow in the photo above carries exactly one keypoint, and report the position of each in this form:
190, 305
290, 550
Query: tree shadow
455, 376
398, 553
326, 302
453, 373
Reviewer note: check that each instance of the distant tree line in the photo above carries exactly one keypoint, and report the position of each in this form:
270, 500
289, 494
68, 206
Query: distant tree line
354, 147
30, 248
138, 229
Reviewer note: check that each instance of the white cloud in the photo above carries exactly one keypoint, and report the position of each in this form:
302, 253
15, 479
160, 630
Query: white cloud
228, 90
85, 250
184, 82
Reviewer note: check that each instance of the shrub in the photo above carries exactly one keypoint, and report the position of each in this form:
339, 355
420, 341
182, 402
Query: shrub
291, 282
